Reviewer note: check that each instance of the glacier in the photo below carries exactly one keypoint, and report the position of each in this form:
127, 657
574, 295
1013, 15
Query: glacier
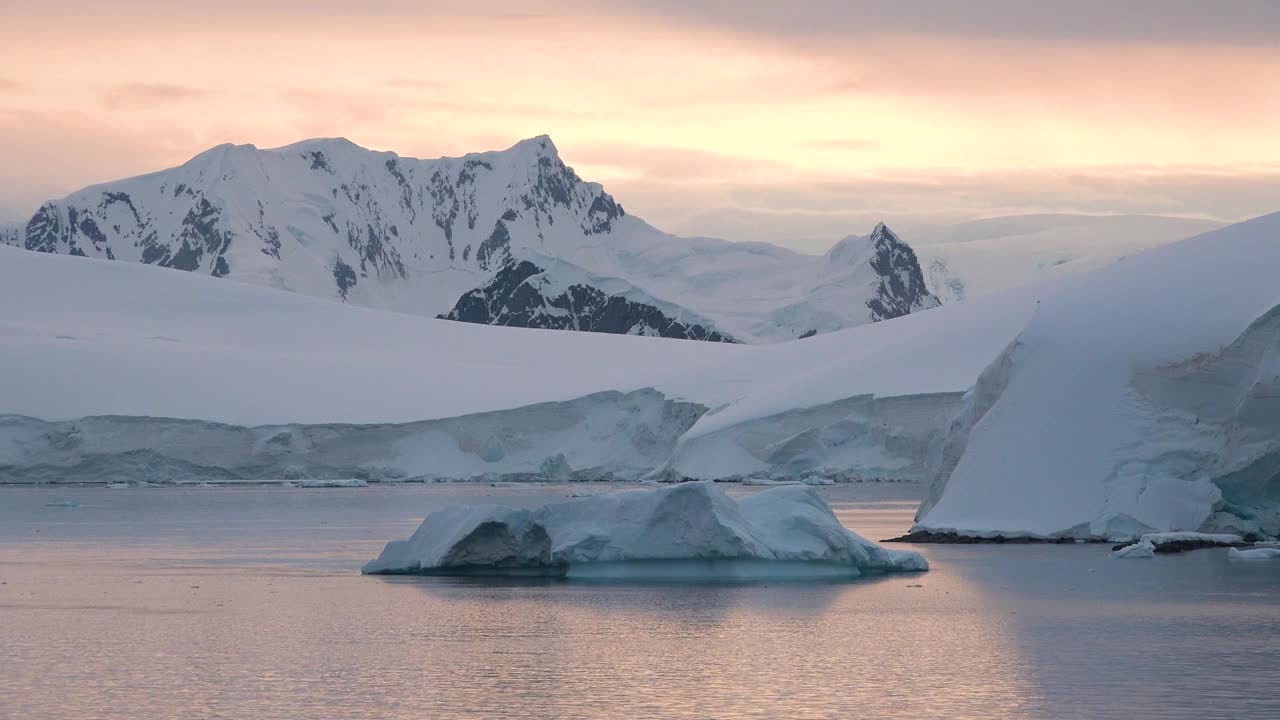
248, 382
1140, 397
603, 436
691, 530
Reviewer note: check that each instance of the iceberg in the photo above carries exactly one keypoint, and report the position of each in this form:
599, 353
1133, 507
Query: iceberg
1184, 540
690, 530
1257, 553
1140, 398
1143, 549
344, 483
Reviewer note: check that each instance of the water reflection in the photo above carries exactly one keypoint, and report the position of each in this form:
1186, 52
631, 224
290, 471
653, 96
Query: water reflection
874, 648
1187, 636
249, 605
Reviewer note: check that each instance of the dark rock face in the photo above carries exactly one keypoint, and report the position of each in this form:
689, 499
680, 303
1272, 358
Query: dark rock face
515, 298
902, 288
45, 230
11, 235
319, 161
601, 215
345, 277
200, 236
496, 249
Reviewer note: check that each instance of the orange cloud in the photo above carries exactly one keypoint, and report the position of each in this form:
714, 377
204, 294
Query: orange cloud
731, 103
142, 95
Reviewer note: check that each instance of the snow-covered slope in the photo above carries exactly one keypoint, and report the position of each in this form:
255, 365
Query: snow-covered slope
1141, 397
245, 382
509, 238
692, 530
89, 337
984, 256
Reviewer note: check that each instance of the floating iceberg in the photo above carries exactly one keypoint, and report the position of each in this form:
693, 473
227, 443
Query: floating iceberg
690, 530
1257, 553
344, 483
1185, 540
1143, 549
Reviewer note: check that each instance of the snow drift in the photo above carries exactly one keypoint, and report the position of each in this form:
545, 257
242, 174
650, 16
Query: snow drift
688, 530
1141, 397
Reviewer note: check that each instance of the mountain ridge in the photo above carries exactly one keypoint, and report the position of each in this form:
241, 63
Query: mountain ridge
329, 218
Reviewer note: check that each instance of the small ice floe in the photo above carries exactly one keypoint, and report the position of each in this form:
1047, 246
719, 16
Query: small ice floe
768, 482
1182, 541
1142, 549
1254, 553
685, 531
63, 503
118, 485
1169, 538
346, 483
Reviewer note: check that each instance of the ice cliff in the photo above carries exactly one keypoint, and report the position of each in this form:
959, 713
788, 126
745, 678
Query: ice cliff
1144, 396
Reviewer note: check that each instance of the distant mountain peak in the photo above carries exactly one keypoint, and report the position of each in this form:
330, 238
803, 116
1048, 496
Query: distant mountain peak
539, 145
857, 249
894, 271
902, 288
462, 237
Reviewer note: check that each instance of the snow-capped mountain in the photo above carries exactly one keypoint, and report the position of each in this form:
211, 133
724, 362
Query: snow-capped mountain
509, 238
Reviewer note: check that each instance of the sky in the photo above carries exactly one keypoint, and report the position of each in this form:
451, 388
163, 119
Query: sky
746, 119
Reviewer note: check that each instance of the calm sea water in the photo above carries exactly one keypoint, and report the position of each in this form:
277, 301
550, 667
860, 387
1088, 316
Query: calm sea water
248, 603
